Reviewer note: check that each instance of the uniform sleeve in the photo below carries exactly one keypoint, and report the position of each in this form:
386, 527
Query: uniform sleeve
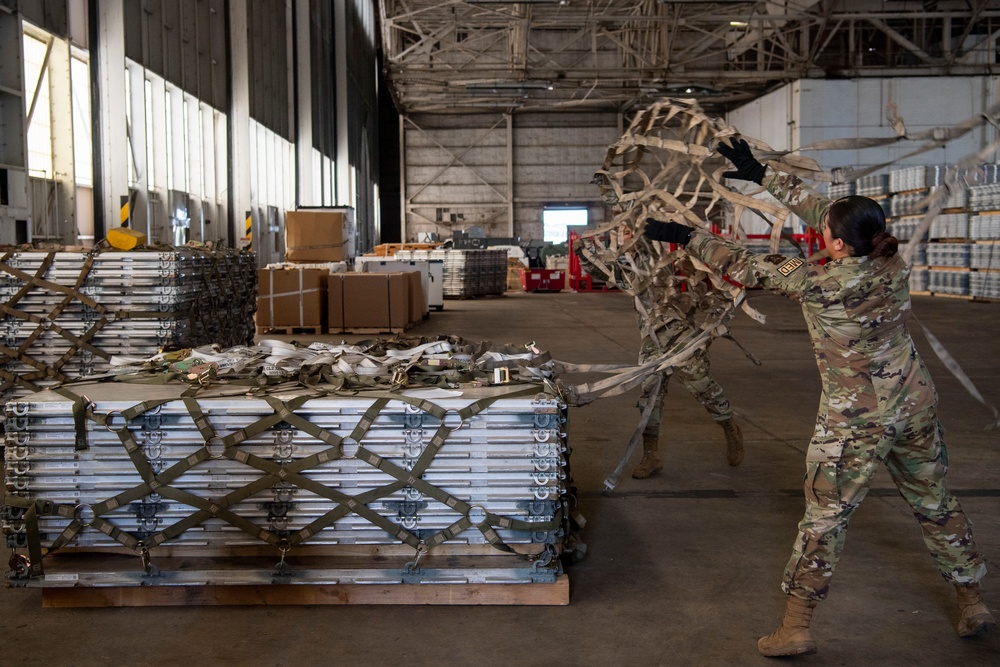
799, 197
789, 276
588, 266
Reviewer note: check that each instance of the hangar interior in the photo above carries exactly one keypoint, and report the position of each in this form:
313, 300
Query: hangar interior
211, 123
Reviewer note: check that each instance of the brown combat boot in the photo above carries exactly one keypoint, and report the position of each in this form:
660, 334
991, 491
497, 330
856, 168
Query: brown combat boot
734, 441
974, 616
792, 637
650, 463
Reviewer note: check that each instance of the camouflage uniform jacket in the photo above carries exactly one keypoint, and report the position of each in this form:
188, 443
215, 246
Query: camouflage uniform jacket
856, 309
665, 312
670, 312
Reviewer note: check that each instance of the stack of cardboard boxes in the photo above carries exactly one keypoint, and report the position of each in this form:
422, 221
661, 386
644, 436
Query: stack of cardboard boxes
294, 294
374, 302
312, 292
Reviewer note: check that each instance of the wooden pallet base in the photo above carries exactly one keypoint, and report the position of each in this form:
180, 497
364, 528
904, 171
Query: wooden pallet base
359, 331
466, 297
964, 297
290, 331
556, 593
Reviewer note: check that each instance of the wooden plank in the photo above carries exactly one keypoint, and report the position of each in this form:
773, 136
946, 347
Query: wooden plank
556, 593
369, 331
289, 331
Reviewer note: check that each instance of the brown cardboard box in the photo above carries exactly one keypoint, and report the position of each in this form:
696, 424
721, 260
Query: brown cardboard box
291, 298
315, 236
335, 302
418, 306
376, 301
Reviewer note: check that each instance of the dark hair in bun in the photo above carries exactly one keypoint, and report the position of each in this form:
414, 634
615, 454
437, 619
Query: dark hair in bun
860, 223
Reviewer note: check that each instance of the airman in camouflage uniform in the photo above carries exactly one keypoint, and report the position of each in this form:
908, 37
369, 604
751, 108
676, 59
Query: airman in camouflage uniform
666, 315
669, 317
878, 404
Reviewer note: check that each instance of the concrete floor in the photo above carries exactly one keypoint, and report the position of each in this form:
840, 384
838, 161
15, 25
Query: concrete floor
682, 569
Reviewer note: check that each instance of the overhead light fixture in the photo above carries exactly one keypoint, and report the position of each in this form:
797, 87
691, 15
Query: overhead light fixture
518, 2
738, 24
510, 85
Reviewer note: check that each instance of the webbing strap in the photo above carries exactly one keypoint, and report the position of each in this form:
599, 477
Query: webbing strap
612, 480
38, 281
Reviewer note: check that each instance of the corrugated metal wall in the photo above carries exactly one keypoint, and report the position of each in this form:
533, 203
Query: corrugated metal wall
500, 172
814, 110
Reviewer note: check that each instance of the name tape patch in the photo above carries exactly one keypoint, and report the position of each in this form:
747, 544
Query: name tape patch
789, 266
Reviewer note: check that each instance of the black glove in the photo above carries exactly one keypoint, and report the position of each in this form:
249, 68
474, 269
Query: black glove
747, 166
669, 232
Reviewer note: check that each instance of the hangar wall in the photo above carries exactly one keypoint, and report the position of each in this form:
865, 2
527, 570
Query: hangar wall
812, 110
500, 171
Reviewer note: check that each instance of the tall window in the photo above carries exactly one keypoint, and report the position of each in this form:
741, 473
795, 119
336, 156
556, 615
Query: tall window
555, 220
36, 83
83, 144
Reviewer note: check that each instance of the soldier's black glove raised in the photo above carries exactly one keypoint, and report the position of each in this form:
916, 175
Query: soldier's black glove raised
668, 232
747, 166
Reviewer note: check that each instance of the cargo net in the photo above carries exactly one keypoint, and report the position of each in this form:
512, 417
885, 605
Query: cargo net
415, 443
65, 314
666, 167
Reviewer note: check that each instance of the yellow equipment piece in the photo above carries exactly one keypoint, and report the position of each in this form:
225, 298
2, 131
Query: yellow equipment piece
124, 238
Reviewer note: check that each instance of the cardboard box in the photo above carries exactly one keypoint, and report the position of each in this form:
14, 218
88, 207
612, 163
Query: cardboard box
418, 305
430, 273
316, 236
373, 302
335, 302
288, 298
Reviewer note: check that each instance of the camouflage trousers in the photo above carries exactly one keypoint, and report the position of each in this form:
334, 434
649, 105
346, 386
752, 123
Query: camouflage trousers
696, 377
840, 467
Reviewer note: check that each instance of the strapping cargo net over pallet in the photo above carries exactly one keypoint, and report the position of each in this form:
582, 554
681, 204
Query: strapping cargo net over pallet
665, 166
65, 314
437, 448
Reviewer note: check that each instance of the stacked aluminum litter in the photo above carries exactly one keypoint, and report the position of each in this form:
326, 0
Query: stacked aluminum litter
984, 197
506, 457
467, 273
907, 203
985, 256
919, 280
984, 226
838, 190
948, 254
904, 230
948, 282
908, 178
873, 185
950, 226
181, 297
985, 285
956, 197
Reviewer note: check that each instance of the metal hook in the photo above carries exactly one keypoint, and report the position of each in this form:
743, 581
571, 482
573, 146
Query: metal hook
282, 569
149, 570
414, 565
